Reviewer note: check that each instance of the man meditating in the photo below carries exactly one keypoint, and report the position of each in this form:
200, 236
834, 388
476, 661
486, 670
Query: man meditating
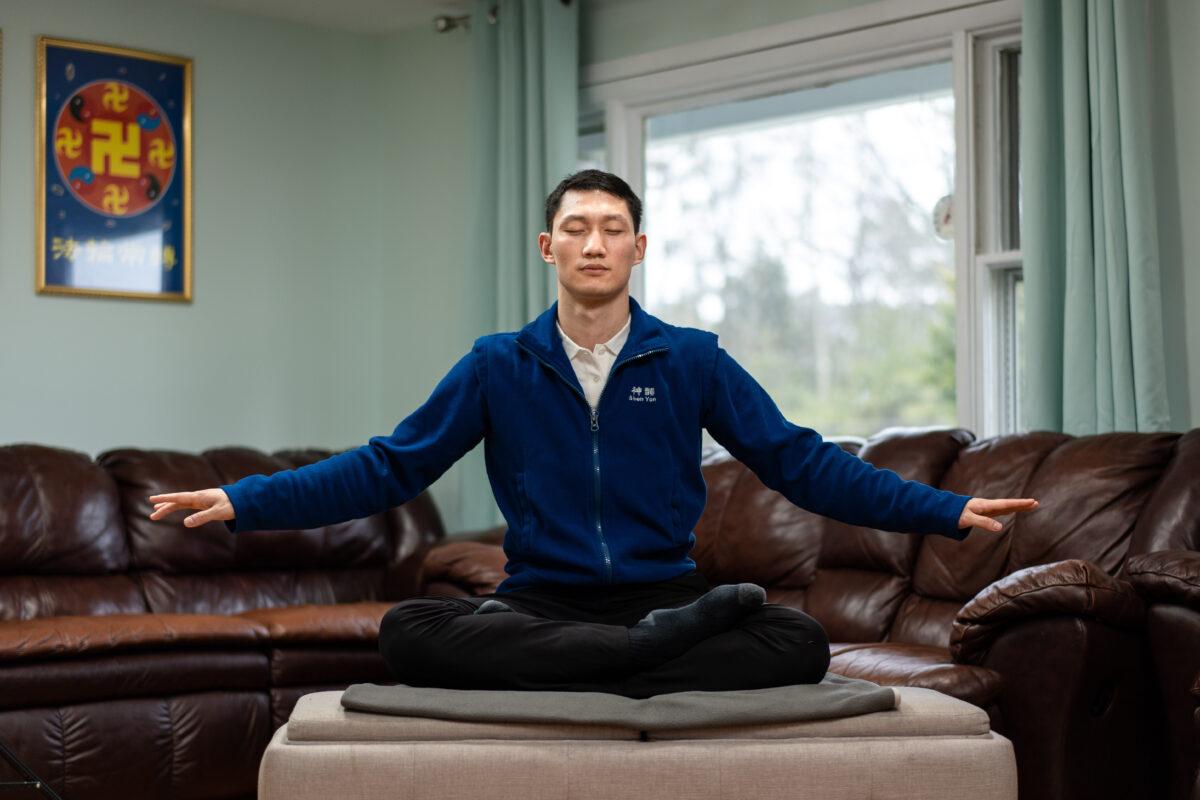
591, 418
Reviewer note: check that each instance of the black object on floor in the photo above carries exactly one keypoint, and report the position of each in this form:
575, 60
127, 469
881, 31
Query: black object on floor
31, 780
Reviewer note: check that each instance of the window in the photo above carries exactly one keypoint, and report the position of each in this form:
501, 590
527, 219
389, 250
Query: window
1000, 373
800, 228
792, 177
591, 146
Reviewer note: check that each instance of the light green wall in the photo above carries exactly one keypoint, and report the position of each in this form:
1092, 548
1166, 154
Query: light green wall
275, 348
431, 307
1176, 63
331, 290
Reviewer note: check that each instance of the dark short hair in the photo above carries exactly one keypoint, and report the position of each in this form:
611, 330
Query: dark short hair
588, 179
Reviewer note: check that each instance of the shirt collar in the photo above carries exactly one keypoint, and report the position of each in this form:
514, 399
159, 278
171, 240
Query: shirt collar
647, 334
613, 345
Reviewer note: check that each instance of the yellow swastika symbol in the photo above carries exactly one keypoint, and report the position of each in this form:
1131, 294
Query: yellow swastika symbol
116, 199
67, 142
161, 154
115, 97
114, 154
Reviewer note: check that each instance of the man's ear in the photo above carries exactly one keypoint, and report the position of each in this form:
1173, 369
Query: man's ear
639, 244
544, 247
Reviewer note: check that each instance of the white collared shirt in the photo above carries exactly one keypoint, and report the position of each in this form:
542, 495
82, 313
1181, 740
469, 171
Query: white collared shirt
592, 366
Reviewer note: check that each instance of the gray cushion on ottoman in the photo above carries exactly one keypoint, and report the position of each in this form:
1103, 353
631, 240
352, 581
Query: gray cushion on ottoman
835, 696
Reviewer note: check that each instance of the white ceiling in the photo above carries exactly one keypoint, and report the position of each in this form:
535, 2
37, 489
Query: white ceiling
356, 16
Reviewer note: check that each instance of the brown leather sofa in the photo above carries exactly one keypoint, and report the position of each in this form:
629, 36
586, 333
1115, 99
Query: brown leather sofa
1039, 625
143, 659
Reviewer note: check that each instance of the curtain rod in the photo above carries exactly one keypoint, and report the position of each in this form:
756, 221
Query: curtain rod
448, 22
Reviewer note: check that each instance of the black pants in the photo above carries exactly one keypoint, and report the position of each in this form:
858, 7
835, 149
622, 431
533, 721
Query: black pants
570, 638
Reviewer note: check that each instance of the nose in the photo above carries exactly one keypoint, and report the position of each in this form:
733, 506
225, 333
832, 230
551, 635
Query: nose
594, 244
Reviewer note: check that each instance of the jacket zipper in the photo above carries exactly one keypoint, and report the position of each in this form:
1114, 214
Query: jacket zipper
594, 414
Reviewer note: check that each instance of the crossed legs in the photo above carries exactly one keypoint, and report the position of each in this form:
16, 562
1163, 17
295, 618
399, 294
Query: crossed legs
576, 641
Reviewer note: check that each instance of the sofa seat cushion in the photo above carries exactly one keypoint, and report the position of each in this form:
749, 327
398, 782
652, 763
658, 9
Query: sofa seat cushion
321, 624
340, 664
111, 676
66, 637
901, 664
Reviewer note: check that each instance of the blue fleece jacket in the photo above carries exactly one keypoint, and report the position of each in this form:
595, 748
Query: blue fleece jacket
600, 496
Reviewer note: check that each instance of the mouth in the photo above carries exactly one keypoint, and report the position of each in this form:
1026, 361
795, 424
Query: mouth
593, 268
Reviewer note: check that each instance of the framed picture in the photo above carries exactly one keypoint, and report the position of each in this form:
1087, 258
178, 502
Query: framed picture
114, 172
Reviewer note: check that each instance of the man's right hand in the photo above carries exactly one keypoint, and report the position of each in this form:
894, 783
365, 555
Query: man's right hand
214, 503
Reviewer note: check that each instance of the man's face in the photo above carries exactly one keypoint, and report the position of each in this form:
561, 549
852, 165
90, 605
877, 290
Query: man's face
592, 245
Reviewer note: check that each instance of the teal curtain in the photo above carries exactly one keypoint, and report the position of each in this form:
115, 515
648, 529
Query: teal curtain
525, 85
1093, 305
524, 140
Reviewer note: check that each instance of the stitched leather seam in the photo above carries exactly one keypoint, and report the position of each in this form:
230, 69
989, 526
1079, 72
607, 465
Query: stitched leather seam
1160, 574
62, 740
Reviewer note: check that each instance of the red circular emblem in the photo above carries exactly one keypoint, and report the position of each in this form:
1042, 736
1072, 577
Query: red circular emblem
115, 148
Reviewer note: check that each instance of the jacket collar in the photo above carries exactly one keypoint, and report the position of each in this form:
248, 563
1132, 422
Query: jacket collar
646, 332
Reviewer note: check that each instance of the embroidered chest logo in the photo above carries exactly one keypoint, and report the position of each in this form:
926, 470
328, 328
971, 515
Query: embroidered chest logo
642, 394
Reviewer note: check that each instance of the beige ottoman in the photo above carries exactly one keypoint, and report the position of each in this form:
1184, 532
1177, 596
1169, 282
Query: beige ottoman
930, 746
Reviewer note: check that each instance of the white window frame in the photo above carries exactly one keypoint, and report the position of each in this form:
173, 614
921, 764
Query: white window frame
814, 51
987, 385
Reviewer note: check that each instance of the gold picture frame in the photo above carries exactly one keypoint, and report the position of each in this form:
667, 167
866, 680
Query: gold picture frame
114, 172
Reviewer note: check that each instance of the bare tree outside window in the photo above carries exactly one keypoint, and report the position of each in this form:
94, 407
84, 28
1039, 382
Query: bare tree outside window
807, 242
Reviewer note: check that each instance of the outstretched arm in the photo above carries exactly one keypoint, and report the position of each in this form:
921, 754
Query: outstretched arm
822, 477
385, 472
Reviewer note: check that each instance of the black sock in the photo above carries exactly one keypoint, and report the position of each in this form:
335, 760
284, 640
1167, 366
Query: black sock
667, 633
492, 607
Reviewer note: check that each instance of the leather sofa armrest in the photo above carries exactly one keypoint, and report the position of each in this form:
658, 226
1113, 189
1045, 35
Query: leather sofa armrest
475, 567
492, 535
1168, 576
1073, 587
409, 578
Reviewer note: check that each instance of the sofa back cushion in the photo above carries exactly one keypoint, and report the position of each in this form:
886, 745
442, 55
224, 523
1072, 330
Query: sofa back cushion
209, 570
949, 572
1097, 494
1091, 491
1171, 519
851, 579
864, 575
62, 540
751, 533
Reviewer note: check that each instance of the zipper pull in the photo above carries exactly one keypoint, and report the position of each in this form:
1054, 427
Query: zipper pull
595, 420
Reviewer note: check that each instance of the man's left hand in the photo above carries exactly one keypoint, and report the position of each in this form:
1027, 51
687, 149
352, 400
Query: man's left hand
979, 512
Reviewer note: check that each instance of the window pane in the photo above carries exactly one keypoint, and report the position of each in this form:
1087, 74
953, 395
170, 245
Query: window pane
1010, 149
591, 150
800, 228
